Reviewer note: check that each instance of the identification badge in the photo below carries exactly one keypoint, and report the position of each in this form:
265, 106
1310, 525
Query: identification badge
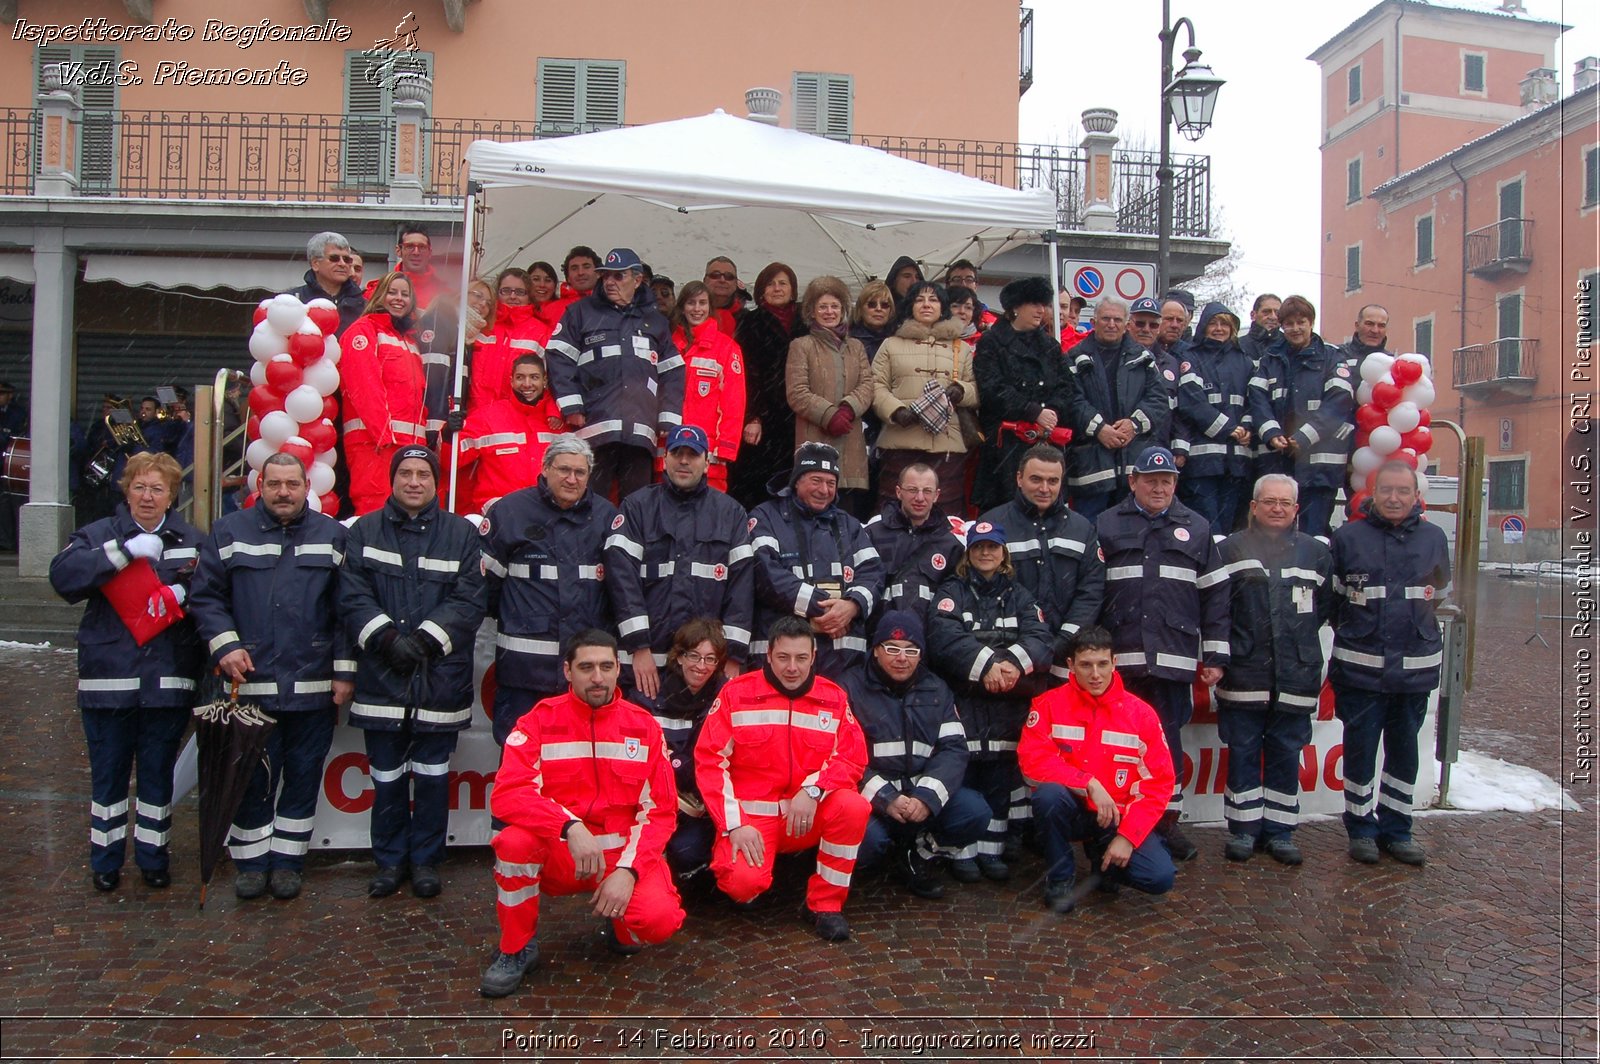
641, 344
1302, 599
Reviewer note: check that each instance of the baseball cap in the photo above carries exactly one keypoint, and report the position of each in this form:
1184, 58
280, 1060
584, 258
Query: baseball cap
1145, 305
1155, 460
692, 436
985, 532
620, 260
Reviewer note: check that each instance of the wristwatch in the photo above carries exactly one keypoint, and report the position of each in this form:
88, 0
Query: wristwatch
813, 792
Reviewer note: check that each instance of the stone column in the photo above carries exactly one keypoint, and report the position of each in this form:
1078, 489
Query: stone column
61, 117
412, 95
1099, 214
47, 518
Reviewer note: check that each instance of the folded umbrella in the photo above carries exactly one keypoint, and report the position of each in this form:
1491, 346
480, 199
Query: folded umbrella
233, 742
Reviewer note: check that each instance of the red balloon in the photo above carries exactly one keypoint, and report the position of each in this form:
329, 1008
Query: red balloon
1385, 395
1369, 417
1372, 482
330, 408
1426, 418
251, 499
330, 503
284, 376
1363, 437
301, 451
320, 435
253, 428
1357, 501
259, 316
1406, 455
264, 401
1418, 439
305, 348
324, 318
1405, 372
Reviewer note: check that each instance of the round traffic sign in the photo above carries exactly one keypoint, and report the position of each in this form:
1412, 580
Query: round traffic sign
1088, 282
1513, 523
1130, 283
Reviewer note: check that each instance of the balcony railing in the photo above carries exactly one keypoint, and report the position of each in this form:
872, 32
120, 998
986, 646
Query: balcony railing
350, 159
1505, 364
1503, 247
1025, 43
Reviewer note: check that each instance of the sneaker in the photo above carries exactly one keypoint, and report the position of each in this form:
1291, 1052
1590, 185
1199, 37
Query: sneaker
1058, 897
993, 868
505, 974
248, 886
964, 870
285, 883
830, 926
1364, 850
387, 881
1240, 847
107, 881
156, 878
425, 881
608, 935
917, 871
1406, 851
1281, 848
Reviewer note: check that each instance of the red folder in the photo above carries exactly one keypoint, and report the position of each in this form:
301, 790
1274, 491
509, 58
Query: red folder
129, 594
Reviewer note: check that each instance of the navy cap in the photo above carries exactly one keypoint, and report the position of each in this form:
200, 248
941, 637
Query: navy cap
688, 436
620, 260
814, 457
899, 624
1145, 305
1156, 460
985, 532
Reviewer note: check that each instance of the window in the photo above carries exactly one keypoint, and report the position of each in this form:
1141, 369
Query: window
1425, 240
1354, 84
368, 99
824, 104
1591, 177
580, 95
1422, 342
1511, 220
1352, 267
1352, 180
1472, 64
94, 71
1508, 348
1508, 484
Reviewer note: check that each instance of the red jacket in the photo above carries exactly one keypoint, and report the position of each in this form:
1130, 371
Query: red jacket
759, 746
381, 385
502, 448
713, 387
1071, 737
607, 767
1072, 336
517, 331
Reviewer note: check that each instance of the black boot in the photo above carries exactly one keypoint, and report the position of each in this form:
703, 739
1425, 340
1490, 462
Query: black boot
1178, 843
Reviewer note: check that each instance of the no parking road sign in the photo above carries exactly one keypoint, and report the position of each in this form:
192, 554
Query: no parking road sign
1126, 281
1088, 282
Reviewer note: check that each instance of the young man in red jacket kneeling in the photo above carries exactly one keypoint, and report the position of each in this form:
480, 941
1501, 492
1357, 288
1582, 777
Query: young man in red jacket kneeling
1097, 760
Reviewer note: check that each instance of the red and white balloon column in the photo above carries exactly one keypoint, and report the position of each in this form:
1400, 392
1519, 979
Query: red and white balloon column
293, 403
1392, 420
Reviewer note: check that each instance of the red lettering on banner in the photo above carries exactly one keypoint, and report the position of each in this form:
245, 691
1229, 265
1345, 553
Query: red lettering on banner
333, 786
1325, 702
1308, 769
475, 784
1333, 778
486, 690
1204, 711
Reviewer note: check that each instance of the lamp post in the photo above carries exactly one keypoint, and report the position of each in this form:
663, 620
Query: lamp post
1187, 101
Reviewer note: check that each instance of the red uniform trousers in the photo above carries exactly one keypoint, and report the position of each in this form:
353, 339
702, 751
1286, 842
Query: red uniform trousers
527, 865
370, 486
836, 833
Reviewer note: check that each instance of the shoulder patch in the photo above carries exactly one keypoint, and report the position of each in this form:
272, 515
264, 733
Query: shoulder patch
1040, 611
516, 738
427, 336
736, 366
849, 575
938, 562
557, 330
751, 527
1033, 718
1101, 551
1184, 366
616, 522
1171, 376
358, 342
1181, 535
947, 605
483, 527
1343, 371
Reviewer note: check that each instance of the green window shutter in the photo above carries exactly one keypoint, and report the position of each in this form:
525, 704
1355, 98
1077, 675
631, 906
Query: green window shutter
368, 132
95, 71
580, 95
604, 85
557, 97
1424, 240
824, 104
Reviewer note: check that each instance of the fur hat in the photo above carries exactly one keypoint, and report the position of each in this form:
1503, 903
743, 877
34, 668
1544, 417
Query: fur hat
1026, 290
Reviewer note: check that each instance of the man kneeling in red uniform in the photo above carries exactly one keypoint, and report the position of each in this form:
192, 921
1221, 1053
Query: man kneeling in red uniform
778, 762
1097, 760
587, 750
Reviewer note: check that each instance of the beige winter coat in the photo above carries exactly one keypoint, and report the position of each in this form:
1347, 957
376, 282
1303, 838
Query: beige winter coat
823, 374
903, 365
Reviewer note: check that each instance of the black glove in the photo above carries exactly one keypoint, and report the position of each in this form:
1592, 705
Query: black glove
903, 417
953, 392
406, 653
455, 421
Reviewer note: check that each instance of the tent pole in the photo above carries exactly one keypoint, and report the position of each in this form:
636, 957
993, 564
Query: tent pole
473, 188
1050, 240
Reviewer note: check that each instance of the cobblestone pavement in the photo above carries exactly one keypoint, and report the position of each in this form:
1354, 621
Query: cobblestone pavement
1488, 952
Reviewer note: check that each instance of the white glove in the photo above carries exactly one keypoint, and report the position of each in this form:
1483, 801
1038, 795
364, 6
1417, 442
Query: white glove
181, 592
145, 545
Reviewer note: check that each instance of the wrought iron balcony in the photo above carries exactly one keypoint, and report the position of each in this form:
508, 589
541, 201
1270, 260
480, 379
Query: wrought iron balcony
1025, 47
1503, 247
1503, 366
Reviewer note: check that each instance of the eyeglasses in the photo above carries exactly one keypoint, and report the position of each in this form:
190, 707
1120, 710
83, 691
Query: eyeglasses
965, 282
1276, 504
509, 291
415, 245
1399, 490
720, 275
874, 304
691, 658
920, 491
340, 258
909, 653
149, 489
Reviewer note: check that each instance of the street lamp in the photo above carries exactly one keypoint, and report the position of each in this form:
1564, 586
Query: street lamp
1187, 102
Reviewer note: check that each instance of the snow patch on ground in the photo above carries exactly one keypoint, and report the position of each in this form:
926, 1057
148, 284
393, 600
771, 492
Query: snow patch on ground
1483, 784
11, 644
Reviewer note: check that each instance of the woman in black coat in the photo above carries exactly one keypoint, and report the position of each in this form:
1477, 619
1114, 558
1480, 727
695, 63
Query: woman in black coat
689, 684
764, 334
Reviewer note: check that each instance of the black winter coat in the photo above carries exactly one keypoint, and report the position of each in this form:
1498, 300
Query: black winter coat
915, 559
1142, 397
916, 744
1280, 591
1309, 396
1019, 374
1057, 557
618, 367
765, 343
975, 623
1389, 578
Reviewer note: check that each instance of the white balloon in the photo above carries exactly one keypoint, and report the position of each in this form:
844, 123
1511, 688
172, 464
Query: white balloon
328, 458
1422, 393
1404, 416
323, 376
330, 349
1384, 441
265, 342
1375, 365
304, 404
321, 478
277, 427
258, 374
1364, 393
286, 314
1422, 483
1426, 363
323, 302
258, 452
314, 502
1364, 461
252, 480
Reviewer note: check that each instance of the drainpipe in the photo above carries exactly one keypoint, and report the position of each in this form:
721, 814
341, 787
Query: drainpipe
1461, 299
1399, 15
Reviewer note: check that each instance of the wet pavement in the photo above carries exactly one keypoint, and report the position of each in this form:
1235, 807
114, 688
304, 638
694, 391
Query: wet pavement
1488, 952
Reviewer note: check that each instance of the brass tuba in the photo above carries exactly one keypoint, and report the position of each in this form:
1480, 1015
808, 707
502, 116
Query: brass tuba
126, 438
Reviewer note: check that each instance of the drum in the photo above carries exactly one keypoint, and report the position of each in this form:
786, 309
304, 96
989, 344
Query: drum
15, 465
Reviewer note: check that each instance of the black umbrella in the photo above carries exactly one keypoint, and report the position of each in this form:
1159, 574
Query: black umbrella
233, 741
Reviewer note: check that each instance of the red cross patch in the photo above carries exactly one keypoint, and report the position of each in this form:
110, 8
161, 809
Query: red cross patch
1171, 376
1427, 592
1181, 535
358, 342
849, 574
599, 572
427, 336
1343, 371
938, 562
947, 605
1101, 551
719, 572
616, 522
1033, 718
752, 527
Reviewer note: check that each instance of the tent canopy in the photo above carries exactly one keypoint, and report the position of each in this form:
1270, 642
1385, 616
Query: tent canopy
680, 192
